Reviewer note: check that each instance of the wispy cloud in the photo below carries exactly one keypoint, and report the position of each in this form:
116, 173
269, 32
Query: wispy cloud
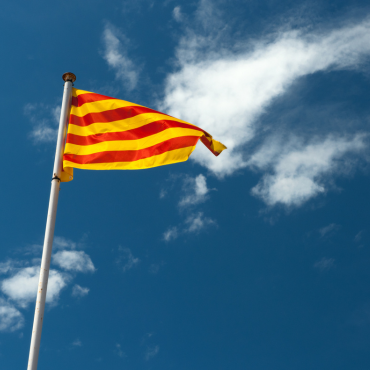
231, 83
196, 222
79, 291
21, 288
228, 89
330, 229
151, 352
45, 120
10, 318
115, 53
177, 15
119, 350
324, 264
195, 189
21, 278
77, 343
77, 261
297, 171
126, 259
171, 234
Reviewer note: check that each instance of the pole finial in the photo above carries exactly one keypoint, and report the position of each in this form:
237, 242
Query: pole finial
69, 76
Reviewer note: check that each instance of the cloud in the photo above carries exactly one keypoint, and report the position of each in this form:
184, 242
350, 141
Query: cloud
79, 291
177, 15
328, 229
196, 191
77, 343
63, 243
197, 222
45, 120
324, 264
115, 54
22, 287
155, 267
119, 351
22, 277
171, 234
194, 223
296, 172
225, 87
77, 261
10, 318
127, 259
8, 266
151, 352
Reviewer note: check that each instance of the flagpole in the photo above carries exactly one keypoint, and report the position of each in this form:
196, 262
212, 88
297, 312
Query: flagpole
68, 78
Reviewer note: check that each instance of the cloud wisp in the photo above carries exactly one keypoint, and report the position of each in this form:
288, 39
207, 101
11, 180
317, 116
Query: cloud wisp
229, 90
77, 261
19, 285
10, 318
325, 264
194, 192
45, 120
195, 189
21, 288
115, 54
126, 259
230, 85
296, 172
193, 224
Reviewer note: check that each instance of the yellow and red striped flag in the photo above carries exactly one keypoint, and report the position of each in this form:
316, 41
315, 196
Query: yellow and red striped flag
106, 133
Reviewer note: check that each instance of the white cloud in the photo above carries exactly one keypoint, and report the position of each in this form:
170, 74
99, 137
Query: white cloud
359, 236
177, 15
63, 243
119, 351
127, 259
324, 264
77, 261
171, 234
10, 318
297, 172
7, 267
79, 291
229, 88
77, 343
328, 229
197, 222
151, 352
196, 191
45, 120
115, 54
22, 287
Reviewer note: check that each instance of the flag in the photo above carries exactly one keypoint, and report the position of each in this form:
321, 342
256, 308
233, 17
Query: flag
105, 133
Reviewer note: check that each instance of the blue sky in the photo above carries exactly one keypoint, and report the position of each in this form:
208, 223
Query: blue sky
257, 259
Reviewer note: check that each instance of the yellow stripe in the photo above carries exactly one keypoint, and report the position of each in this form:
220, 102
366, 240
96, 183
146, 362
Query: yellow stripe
138, 144
101, 106
76, 92
122, 125
173, 156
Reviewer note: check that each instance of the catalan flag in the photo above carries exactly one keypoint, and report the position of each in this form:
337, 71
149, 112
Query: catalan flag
106, 133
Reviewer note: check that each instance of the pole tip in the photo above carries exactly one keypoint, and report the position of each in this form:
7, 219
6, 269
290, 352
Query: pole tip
69, 76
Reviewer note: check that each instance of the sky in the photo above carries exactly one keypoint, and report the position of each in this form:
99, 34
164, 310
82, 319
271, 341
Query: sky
257, 259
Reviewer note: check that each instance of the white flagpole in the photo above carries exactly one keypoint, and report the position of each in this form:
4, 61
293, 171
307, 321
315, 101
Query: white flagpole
68, 78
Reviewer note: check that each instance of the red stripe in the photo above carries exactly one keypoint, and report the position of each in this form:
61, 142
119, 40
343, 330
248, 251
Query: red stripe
80, 100
207, 143
110, 115
133, 155
134, 134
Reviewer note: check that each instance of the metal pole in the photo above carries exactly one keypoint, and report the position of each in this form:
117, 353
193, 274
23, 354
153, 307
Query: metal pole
68, 78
